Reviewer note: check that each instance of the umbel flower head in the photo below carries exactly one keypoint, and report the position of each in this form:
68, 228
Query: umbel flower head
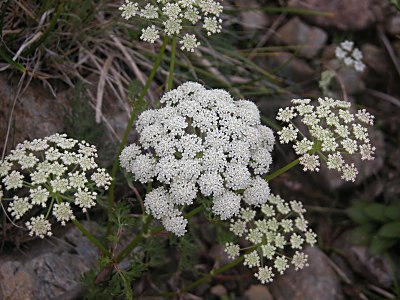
174, 18
280, 227
350, 56
52, 174
203, 143
334, 133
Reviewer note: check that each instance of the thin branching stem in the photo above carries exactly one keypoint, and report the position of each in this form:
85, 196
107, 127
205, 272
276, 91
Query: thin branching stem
172, 64
94, 241
282, 170
145, 231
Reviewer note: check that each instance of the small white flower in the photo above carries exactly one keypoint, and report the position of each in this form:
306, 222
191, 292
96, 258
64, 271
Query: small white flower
150, 34
59, 185
288, 134
310, 162
232, 250
13, 180
335, 161
367, 152
252, 259
175, 224
39, 226
63, 212
85, 199
226, 205
189, 42
350, 56
172, 26
281, 264
149, 12
19, 206
265, 275
349, 172
39, 196
299, 260
129, 9
212, 25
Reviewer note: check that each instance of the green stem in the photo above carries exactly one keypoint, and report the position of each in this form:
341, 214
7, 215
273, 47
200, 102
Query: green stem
145, 230
91, 238
282, 170
172, 64
206, 277
128, 249
128, 129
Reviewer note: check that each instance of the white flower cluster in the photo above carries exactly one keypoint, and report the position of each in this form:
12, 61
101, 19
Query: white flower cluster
174, 16
53, 173
350, 55
280, 227
333, 132
202, 143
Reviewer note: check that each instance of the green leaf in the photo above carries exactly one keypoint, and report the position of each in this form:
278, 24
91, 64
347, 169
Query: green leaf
376, 212
396, 3
363, 234
390, 230
392, 212
380, 244
8, 59
356, 213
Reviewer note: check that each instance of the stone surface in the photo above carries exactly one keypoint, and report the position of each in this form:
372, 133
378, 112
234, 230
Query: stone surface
258, 292
37, 113
346, 14
376, 268
316, 282
393, 25
219, 290
375, 58
49, 270
252, 19
296, 32
290, 67
352, 80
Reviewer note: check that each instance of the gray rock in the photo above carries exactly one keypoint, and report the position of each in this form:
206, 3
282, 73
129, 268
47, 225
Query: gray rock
346, 14
310, 39
258, 292
316, 282
252, 19
291, 67
393, 25
375, 58
37, 113
376, 268
49, 270
351, 79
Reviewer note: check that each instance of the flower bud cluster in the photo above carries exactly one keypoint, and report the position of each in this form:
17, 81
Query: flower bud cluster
279, 228
350, 55
334, 132
174, 16
51, 173
203, 143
